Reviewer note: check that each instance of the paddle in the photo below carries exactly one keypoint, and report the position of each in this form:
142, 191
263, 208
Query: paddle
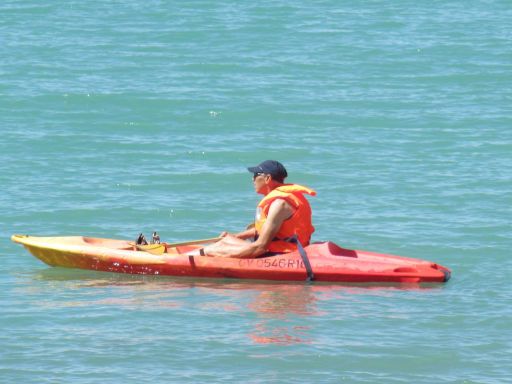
154, 249
193, 242
158, 249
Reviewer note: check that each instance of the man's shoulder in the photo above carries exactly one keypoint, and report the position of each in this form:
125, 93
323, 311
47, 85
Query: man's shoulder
280, 204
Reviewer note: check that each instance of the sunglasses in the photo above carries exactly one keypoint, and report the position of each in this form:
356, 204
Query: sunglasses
257, 174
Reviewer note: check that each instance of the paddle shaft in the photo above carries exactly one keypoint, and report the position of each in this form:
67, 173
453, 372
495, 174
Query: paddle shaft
193, 242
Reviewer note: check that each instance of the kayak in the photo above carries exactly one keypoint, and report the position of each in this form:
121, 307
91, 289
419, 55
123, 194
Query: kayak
324, 261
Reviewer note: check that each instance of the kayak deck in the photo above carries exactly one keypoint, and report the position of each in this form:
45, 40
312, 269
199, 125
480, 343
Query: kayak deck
329, 262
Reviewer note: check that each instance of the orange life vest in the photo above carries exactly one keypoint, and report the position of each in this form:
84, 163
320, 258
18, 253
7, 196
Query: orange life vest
298, 224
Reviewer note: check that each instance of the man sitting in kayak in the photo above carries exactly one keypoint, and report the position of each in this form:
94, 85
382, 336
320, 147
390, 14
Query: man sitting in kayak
282, 216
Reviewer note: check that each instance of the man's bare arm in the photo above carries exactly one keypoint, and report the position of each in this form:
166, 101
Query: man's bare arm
231, 246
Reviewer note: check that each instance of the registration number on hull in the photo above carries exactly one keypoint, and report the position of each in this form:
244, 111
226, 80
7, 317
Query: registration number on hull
271, 262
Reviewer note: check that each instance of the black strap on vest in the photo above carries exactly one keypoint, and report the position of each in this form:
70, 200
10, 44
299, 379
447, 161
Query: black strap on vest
294, 239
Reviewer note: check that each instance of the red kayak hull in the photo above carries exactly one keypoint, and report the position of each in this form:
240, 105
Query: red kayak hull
329, 262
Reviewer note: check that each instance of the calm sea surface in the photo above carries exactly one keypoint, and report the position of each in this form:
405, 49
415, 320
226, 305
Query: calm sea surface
122, 117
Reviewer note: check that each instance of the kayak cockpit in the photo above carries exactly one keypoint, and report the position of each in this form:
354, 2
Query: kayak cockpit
333, 249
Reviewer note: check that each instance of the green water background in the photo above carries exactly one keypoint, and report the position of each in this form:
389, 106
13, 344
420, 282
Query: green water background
122, 117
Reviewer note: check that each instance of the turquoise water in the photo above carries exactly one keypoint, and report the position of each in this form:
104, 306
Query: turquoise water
122, 117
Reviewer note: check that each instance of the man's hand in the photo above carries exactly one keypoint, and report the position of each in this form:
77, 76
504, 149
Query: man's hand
247, 234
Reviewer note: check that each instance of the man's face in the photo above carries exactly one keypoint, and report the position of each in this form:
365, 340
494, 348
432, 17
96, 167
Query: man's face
259, 181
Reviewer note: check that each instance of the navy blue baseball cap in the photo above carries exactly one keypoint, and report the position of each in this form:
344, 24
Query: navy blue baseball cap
270, 167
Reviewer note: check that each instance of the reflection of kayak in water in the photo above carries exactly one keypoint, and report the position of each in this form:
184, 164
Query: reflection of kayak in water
329, 262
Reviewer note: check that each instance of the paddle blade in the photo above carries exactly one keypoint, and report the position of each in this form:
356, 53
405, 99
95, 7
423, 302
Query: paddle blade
154, 249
